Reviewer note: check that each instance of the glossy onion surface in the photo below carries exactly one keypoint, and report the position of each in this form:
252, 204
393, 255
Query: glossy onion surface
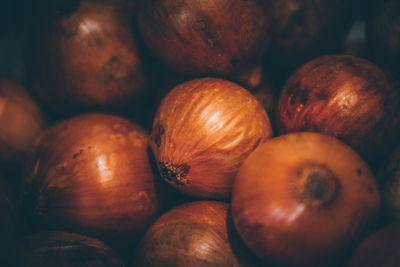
381, 248
82, 55
65, 250
205, 37
302, 199
346, 97
21, 121
194, 234
92, 174
202, 132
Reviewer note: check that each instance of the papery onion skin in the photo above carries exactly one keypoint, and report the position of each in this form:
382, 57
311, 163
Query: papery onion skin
381, 248
344, 96
202, 132
64, 249
205, 37
194, 234
81, 55
91, 174
288, 222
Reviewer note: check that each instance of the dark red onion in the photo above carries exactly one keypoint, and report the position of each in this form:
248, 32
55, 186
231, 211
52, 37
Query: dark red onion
346, 97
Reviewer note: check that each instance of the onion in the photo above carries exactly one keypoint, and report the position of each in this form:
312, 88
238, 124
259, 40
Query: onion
205, 37
82, 55
306, 29
303, 199
346, 97
91, 174
21, 121
194, 234
65, 249
381, 248
203, 130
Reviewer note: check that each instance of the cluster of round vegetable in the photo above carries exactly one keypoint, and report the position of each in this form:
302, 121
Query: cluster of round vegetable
233, 172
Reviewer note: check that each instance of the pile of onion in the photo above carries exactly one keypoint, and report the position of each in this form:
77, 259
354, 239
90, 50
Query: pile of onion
91, 174
304, 199
344, 96
194, 234
202, 132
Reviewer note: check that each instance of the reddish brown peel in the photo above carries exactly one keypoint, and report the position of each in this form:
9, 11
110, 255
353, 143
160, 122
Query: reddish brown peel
206, 37
202, 132
346, 97
304, 199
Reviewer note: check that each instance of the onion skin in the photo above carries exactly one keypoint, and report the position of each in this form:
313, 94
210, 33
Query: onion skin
208, 37
21, 121
291, 221
194, 234
202, 132
81, 55
91, 174
346, 97
379, 249
65, 249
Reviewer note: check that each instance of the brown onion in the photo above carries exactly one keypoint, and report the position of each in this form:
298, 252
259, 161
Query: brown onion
91, 174
205, 37
21, 121
346, 97
202, 132
66, 250
81, 54
382, 248
194, 234
303, 199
